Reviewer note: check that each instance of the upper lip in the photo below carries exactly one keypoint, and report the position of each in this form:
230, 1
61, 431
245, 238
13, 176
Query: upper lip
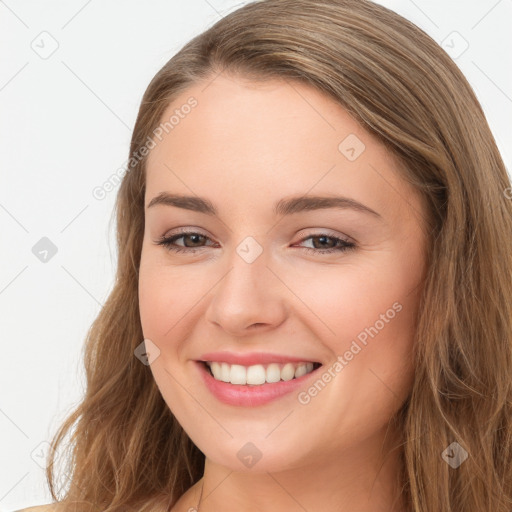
251, 358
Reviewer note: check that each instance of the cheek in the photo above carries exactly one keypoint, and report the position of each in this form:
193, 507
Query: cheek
366, 315
368, 324
170, 302
161, 303
165, 302
358, 301
153, 300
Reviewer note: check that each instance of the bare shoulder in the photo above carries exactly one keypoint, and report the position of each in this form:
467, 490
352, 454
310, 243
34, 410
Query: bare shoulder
52, 507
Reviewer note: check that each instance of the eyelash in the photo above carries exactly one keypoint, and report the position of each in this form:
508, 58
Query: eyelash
168, 243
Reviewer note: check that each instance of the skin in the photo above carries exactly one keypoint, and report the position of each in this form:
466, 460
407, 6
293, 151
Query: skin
245, 146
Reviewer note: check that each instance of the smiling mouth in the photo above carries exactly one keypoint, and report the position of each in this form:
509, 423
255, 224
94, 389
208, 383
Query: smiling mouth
258, 374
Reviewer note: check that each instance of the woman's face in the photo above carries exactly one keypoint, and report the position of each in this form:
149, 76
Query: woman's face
263, 280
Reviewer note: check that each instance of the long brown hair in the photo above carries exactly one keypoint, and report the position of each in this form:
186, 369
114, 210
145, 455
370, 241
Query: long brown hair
126, 449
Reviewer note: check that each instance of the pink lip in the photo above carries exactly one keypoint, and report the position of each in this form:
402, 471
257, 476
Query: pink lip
250, 358
247, 395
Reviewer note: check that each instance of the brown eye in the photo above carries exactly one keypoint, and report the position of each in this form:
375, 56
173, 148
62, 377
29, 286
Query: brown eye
196, 239
328, 244
322, 244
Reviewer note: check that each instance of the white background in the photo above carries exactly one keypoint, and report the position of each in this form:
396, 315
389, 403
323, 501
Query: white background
65, 128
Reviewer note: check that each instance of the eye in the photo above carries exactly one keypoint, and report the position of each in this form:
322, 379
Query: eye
336, 245
168, 242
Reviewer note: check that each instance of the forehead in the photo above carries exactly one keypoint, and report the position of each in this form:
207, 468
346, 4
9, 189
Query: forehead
254, 143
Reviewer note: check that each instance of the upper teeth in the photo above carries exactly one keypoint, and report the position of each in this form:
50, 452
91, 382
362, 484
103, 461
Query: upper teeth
258, 373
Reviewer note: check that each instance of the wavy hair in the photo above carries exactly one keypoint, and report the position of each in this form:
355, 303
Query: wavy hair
126, 451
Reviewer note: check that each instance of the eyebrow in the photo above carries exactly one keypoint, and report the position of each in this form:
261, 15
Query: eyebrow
282, 207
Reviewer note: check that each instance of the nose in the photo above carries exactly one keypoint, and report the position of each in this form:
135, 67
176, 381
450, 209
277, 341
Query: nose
249, 298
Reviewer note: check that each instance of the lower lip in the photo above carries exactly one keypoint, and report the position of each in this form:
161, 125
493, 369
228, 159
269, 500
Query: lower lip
247, 395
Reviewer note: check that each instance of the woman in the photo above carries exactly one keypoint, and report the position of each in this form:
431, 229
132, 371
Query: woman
315, 244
